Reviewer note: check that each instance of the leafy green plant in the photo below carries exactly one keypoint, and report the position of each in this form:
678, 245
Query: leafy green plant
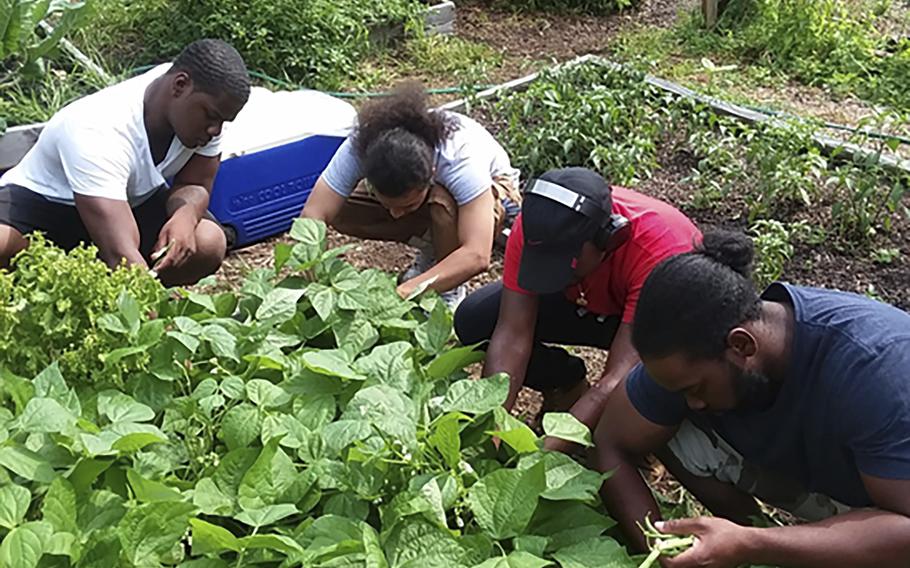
310, 418
886, 255
23, 50
590, 115
714, 143
869, 193
788, 164
773, 249
69, 308
611, 119
314, 43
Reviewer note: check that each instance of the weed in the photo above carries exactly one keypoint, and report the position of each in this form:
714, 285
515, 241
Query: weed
886, 255
35, 98
434, 58
829, 42
23, 53
773, 250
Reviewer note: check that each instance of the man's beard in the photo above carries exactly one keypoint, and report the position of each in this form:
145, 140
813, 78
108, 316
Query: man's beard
754, 391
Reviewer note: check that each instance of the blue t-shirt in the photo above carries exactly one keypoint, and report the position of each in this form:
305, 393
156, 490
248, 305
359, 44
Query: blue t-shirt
843, 409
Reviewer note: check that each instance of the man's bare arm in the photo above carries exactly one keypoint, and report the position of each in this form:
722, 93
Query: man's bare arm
193, 184
620, 360
186, 205
112, 227
867, 538
621, 437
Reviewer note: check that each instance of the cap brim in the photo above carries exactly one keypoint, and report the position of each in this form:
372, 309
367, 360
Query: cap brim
546, 271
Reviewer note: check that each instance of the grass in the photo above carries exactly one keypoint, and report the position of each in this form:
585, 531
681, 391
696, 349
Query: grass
434, 60
733, 64
26, 99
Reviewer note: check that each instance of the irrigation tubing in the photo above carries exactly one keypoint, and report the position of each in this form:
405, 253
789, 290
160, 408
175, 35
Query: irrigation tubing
454, 90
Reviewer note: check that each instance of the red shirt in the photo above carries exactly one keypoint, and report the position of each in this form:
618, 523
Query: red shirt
658, 232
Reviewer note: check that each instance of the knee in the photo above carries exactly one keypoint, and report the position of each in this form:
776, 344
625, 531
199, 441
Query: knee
443, 208
462, 322
471, 322
211, 246
11, 244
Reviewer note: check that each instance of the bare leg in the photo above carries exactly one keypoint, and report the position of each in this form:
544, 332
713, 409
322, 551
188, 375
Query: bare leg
364, 217
11, 243
211, 247
559, 400
443, 222
444, 232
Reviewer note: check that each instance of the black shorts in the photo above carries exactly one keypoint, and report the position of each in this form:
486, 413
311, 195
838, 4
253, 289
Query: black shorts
27, 212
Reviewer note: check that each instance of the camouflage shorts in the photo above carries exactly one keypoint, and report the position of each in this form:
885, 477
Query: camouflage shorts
705, 454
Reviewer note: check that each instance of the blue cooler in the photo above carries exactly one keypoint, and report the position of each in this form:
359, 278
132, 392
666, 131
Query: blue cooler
272, 155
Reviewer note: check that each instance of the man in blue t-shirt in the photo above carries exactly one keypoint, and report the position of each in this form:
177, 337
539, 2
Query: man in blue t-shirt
799, 398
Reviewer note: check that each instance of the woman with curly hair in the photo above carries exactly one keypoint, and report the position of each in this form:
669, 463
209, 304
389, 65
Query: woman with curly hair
425, 177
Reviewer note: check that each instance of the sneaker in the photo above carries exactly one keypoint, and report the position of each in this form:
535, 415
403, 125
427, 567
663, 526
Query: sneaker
454, 297
422, 262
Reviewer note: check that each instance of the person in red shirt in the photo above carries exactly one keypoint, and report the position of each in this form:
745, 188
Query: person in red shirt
576, 260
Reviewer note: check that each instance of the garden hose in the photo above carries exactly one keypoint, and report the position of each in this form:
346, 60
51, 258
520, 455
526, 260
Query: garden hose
455, 90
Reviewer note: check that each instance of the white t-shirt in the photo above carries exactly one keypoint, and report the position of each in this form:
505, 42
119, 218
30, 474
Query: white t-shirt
98, 146
466, 163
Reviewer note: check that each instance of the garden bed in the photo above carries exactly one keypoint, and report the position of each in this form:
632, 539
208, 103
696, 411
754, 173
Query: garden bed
845, 218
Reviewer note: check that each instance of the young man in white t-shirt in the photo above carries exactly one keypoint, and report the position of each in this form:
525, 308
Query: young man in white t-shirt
130, 168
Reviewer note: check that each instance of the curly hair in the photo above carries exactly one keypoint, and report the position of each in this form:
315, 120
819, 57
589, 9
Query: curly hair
215, 68
691, 301
396, 138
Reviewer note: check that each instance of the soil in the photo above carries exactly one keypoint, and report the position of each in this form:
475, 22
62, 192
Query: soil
546, 36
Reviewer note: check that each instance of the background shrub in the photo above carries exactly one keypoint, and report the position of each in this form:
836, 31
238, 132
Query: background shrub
312, 42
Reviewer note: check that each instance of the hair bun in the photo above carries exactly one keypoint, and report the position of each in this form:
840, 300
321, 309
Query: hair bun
733, 250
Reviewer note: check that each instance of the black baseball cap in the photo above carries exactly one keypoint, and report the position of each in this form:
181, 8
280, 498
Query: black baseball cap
555, 233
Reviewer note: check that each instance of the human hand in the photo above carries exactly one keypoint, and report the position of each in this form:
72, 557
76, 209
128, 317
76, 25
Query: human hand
719, 543
176, 242
404, 290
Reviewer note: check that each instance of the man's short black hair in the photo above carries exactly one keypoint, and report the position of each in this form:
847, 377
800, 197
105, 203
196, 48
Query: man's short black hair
215, 68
